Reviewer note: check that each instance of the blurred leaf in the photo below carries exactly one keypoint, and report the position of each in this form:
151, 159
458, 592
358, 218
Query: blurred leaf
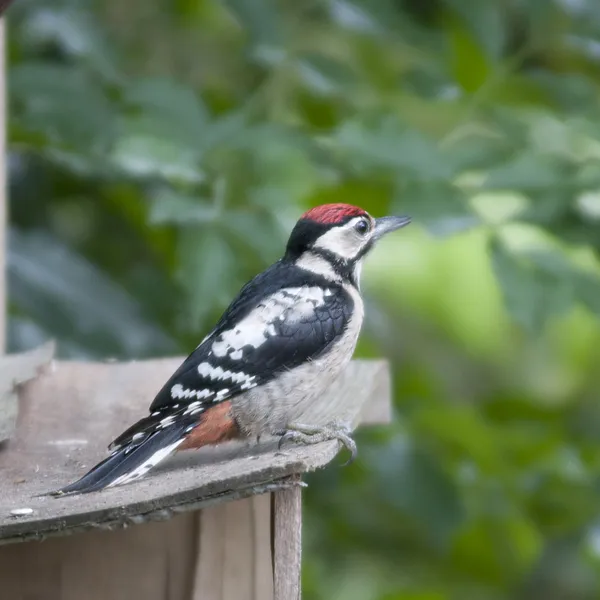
169, 206
65, 104
526, 171
539, 285
259, 19
572, 92
415, 484
258, 231
323, 76
531, 297
387, 144
485, 21
353, 17
498, 549
462, 428
165, 137
73, 30
441, 207
71, 298
408, 595
24, 334
482, 145
207, 272
176, 107
142, 155
469, 64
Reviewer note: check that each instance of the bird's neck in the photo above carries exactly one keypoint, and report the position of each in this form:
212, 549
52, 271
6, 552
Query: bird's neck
331, 267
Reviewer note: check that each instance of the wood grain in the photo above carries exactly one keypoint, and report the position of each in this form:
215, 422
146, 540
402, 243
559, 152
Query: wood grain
234, 555
16, 369
154, 562
68, 416
226, 551
287, 506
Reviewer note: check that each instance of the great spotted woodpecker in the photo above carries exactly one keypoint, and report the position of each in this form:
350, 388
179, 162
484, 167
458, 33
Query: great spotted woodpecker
277, 348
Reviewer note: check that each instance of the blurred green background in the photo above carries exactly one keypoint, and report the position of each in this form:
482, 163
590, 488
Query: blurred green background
160, 152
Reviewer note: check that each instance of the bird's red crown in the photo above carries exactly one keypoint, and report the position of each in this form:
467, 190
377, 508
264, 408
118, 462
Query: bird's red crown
330, 214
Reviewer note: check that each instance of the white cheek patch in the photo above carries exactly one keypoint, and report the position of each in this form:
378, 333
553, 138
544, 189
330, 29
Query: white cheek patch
314, 263
344, 241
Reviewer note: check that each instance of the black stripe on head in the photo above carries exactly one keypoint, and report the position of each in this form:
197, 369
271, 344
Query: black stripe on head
305, 234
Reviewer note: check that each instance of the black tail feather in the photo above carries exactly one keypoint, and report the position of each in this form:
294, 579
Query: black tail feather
124, 461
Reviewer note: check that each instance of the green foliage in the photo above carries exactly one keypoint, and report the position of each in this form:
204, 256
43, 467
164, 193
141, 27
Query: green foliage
161, 151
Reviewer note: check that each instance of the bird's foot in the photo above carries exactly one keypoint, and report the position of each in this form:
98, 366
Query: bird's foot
312, 434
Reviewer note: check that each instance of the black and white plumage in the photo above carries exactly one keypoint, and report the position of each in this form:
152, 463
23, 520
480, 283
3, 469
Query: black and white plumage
279, 345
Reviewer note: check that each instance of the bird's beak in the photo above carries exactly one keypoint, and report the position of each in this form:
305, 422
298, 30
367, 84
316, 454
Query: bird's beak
384, 225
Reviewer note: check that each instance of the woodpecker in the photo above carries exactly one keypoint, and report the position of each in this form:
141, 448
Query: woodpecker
279, 345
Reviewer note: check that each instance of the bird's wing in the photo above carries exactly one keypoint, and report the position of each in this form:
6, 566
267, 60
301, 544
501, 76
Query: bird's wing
278, 332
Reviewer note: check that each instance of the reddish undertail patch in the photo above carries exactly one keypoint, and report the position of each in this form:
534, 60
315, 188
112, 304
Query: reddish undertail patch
216, 425
333, 213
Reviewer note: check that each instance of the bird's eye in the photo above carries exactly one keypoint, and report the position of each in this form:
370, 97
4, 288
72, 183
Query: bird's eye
362, 226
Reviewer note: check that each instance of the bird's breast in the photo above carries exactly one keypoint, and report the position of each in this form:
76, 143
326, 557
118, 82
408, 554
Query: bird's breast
272, 406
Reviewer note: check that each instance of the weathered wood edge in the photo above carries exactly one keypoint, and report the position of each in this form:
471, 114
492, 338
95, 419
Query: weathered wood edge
16, 369
158, 514
168, 506
271, 475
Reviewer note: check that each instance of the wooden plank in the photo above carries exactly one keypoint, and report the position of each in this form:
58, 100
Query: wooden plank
15, 370
68, 417
154, 562
263, 551
208, 583
234, 559
30, 571
238, 566
180, 535
114, 565
287, 506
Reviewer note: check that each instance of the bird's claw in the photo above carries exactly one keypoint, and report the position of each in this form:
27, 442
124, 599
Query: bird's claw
310, 434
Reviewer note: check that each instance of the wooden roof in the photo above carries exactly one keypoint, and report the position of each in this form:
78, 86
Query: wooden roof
71, 411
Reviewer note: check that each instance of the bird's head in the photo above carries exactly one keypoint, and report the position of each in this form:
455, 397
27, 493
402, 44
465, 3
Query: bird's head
339, 235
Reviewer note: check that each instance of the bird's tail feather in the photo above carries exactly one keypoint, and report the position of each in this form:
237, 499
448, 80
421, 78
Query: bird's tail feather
128, 463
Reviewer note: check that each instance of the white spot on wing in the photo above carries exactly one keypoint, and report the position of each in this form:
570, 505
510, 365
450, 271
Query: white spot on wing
219, 374
256, 327
178, 391
166, 422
